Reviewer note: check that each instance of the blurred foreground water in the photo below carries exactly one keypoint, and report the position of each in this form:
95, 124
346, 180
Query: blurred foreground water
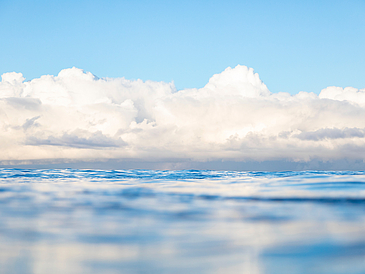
144, 221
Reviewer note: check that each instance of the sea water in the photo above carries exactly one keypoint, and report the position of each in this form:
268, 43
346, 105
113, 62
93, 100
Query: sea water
191, 221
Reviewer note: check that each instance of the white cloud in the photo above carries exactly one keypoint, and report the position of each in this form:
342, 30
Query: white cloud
76, 115
344, 94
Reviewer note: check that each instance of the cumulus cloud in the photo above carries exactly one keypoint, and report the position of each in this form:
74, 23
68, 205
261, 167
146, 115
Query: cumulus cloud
76, 115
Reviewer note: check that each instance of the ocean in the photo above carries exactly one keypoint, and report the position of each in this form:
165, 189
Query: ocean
185, 221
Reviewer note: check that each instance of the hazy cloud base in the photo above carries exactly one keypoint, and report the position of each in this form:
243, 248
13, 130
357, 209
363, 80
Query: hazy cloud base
77, 117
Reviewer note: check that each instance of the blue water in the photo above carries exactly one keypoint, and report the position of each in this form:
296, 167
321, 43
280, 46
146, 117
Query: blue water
144, 221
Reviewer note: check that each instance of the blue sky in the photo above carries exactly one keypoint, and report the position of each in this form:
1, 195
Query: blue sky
73, 117
293, 45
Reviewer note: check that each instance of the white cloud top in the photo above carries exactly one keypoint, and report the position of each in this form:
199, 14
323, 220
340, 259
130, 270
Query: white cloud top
76, 115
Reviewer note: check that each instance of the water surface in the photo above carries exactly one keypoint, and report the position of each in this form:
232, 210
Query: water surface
193, 221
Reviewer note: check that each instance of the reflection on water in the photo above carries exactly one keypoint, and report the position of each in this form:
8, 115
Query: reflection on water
141, 221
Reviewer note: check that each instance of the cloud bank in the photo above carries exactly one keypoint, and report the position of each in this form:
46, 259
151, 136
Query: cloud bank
76, 115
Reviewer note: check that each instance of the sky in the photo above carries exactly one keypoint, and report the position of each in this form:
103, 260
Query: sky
293, 45
194, 84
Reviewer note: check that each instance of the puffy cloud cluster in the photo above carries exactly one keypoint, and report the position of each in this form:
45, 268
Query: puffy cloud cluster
76, 115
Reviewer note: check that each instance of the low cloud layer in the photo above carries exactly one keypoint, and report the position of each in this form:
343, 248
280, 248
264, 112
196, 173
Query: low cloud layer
78, 116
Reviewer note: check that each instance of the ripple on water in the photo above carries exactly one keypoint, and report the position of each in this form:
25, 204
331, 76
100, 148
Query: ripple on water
188, 221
